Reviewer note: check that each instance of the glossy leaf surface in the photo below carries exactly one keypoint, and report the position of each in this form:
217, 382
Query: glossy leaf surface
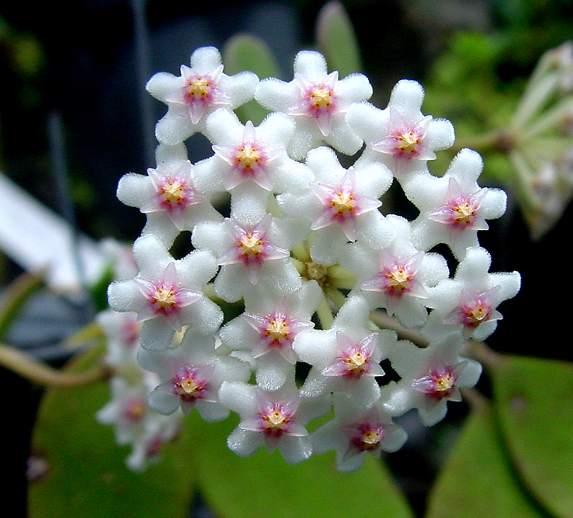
478, 478
535, 403
86, 471
265, 485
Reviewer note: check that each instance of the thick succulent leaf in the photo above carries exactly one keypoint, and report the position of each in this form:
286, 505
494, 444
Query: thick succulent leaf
265, 485
336, 39
534, 398
86, 471
247, 52
478, 478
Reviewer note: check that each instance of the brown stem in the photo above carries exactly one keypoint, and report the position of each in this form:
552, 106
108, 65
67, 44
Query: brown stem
385, 321
38, 372
482, 353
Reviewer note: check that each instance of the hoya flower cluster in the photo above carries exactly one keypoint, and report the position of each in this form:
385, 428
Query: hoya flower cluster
303, 246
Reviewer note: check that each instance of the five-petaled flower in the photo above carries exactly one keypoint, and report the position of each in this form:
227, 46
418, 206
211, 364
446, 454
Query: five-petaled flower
453, 208
198, 91
318, 102
167, 294
355, 432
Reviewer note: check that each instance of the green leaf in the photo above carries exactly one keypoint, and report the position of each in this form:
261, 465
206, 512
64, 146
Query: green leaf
535, 403
15, 297
265, 485
478, 479
245, 52
336, 39
87, 474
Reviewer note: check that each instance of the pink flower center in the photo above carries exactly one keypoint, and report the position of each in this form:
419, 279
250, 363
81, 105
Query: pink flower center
438, 384
406, 143
320, 100
134, 410
405, 140
354, 360
367, 436
249, 159
165, 299
277, 331
355, 363
475, 309
274, 421
342, 205
475, 314
190, 385
396, 280
462, 212
199, 89
251, 247
174, 194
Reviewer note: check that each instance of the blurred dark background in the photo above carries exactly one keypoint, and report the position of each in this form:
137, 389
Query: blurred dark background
78, 59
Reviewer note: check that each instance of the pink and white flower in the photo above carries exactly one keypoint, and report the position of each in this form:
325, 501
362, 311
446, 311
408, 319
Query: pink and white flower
345, 358
267, 330
341, 204
453, 207
167, 195
198, 91
355, 432
250, 254
318, 102
250, 162
148, 447
121, 331
167, 294
393, 274
276, 420
127, 410
430, 377
190, 376
400, 136
466, 305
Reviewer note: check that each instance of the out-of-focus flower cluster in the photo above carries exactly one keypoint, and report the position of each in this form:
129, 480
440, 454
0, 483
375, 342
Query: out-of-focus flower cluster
300, 245
538, 141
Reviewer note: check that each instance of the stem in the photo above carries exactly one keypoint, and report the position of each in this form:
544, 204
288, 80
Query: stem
482, 353
534, 98
324, 314
341, 278
300, 252
299, 265
524, 179
496, 139
384, 321
15, 296
30, 368
336, 296
474, 398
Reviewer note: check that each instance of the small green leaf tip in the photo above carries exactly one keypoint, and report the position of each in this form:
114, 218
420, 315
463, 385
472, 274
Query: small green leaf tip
336, 39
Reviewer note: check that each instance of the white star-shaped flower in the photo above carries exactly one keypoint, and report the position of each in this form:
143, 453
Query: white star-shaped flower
167, 294
198, 91
318, 102
167, 195
453, 207
400, 136
341, 204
